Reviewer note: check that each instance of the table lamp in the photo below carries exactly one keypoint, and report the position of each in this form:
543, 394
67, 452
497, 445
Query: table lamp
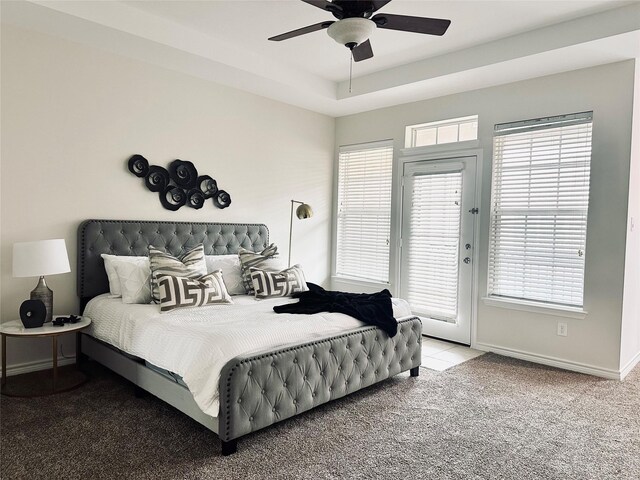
37, 259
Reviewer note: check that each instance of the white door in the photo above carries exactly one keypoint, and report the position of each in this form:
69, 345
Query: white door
437, 261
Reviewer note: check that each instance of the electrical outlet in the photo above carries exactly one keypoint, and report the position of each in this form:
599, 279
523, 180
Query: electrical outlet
562, 329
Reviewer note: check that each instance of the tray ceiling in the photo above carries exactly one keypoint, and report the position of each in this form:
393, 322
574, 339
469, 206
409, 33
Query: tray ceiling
488, 43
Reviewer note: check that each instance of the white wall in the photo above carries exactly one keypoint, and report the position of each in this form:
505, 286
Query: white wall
593, 342
630, 348
71, 117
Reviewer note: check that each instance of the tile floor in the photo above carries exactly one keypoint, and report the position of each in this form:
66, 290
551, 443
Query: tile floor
440, 355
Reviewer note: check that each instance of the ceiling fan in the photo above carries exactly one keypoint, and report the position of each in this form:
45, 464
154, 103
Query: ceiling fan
355, 24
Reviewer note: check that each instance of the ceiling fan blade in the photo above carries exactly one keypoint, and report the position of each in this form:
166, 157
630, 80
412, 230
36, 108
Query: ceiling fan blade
378, 4
405, 23
362, 51
301, 31
324, 5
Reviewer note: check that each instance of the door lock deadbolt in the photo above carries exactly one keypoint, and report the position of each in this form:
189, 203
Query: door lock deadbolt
467, 260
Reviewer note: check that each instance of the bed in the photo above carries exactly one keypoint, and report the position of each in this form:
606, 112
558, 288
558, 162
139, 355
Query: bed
256, 387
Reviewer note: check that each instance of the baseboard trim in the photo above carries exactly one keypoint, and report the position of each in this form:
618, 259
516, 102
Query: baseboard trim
629, 366
551, 361
28, 367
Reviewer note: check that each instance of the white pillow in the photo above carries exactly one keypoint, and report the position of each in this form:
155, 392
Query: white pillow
109, 265
231, 271
135, 280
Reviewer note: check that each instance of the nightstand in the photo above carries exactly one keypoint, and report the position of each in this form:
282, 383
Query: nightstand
16, 329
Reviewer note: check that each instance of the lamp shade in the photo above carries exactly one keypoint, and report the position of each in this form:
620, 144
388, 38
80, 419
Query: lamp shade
304, 211
351, 31
44, 257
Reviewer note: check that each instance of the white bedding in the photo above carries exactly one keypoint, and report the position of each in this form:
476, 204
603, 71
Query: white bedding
196, 343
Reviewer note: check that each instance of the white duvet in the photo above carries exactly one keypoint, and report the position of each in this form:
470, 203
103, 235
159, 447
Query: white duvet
196, 343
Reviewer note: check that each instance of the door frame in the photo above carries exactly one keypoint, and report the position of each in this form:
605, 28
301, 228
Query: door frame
437, 152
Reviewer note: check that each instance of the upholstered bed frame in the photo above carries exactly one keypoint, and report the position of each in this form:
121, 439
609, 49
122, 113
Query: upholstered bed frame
256, 390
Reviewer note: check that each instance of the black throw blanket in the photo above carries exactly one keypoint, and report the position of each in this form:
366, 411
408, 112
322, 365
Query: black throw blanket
374, 309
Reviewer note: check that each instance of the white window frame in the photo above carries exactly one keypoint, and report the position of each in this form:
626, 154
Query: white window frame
336, 274
412, 130
527, 304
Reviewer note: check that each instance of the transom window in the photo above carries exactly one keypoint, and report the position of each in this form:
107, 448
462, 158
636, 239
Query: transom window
539, 203
444, 131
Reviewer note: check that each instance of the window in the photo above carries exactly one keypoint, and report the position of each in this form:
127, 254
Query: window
539, 200
364, 211
445, 131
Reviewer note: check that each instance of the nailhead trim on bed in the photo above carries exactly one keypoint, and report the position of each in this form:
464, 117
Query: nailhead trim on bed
259, 390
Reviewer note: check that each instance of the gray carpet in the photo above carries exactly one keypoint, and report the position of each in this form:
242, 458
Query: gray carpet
491, 417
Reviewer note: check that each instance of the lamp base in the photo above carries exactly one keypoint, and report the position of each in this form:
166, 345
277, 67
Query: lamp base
44, 294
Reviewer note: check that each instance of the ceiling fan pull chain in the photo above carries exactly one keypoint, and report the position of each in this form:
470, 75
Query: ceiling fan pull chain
350, 68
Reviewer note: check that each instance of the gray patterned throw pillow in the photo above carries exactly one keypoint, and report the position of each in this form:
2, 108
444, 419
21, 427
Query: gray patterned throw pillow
180, 292
278, 284
190, 264
265, 260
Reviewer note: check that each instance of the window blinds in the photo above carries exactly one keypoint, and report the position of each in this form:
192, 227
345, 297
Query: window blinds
364, 211
434, 244
540, 196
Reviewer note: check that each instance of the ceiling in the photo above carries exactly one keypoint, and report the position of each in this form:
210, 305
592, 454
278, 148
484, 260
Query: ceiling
248, 24
488, 43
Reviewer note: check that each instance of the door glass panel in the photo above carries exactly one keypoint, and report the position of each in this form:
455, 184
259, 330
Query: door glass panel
433, 245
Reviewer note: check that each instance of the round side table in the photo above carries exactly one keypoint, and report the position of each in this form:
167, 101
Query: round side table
15, 328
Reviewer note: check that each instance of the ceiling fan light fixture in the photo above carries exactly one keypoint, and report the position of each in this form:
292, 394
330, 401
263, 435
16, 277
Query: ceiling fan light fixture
351, 31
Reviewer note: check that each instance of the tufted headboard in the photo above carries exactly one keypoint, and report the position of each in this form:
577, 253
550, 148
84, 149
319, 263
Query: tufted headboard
133, 237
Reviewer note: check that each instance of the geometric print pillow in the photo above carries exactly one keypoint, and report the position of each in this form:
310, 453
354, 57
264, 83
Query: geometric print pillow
180, 292
190, 264
278, 284
265, 260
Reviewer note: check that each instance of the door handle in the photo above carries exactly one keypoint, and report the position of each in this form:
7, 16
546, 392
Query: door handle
467, 260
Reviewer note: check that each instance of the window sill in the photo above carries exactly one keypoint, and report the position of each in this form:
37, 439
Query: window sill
535, 307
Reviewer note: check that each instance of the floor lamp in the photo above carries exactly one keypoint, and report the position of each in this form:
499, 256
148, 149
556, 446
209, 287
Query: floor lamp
303, 211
